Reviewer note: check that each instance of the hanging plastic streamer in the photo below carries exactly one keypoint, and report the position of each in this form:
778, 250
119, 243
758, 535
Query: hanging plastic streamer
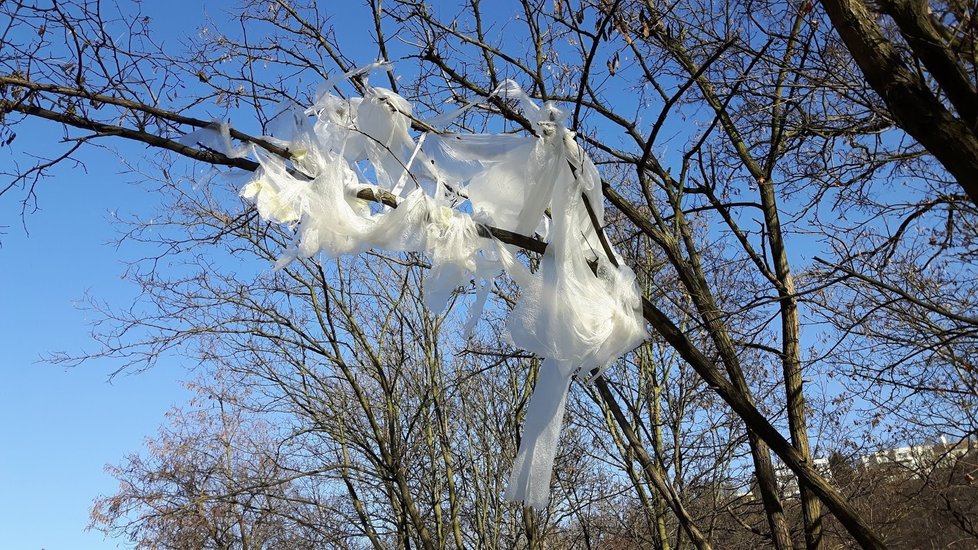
577, 311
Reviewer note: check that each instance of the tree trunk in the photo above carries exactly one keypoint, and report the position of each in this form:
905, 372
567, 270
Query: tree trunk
791, 361
914, 106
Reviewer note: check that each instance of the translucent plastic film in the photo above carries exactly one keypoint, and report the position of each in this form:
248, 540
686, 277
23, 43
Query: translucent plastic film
578, 310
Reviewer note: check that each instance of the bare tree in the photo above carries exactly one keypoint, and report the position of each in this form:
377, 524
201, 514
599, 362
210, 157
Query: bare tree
746, 145
215, 477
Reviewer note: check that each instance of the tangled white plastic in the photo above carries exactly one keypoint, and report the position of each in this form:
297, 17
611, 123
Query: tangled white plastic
573, 316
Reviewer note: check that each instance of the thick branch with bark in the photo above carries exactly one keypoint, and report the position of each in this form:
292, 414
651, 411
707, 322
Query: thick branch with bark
952, 140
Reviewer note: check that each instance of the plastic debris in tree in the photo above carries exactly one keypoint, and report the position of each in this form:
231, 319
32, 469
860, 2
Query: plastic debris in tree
579, 311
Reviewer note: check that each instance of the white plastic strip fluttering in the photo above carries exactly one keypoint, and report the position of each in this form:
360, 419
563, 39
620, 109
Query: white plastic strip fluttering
577, 310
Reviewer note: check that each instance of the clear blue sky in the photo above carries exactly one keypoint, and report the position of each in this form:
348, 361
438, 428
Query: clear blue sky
59, 427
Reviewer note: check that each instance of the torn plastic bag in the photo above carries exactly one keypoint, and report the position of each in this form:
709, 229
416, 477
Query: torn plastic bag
579, 310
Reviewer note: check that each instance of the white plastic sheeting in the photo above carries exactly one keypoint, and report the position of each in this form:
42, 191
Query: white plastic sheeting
578, 311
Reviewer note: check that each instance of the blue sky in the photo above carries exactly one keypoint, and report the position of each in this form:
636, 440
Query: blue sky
59, 427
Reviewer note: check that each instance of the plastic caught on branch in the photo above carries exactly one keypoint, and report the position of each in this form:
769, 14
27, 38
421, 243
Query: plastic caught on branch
579, 310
